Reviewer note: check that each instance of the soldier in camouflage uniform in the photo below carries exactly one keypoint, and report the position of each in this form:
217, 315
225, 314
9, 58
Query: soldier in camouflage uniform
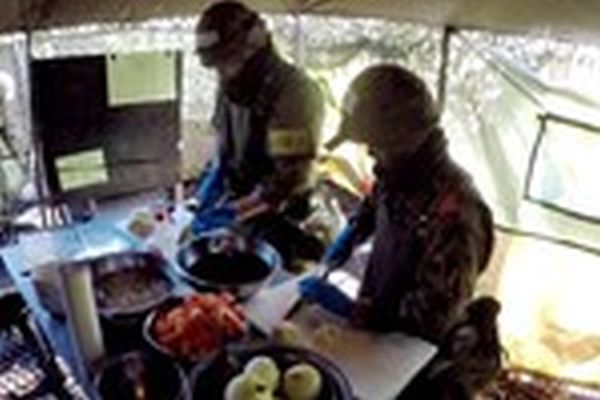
268, 119
432, 233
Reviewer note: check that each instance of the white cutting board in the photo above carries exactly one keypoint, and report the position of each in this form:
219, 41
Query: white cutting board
379, 366
269, 307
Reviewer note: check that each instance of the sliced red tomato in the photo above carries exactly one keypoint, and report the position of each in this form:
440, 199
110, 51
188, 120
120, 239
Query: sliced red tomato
200, 324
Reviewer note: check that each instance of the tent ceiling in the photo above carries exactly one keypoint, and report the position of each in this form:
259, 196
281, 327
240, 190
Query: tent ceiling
572, 18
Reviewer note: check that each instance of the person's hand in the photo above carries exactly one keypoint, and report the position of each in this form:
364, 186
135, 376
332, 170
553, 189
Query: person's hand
219, 217
251, 205
341, 249
326, 295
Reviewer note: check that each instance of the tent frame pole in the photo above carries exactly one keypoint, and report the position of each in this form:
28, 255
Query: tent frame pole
39, 172
442, 83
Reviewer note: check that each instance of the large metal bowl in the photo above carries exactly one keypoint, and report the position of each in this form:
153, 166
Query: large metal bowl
224, 260
210, 379
130, 270
115, 269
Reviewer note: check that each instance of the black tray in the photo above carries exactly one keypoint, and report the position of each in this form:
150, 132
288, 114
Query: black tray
28, 368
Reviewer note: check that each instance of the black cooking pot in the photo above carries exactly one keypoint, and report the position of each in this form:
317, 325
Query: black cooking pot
209, 379
225, 260
135, 376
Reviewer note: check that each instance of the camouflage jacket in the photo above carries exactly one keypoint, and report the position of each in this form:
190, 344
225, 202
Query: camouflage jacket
433, 236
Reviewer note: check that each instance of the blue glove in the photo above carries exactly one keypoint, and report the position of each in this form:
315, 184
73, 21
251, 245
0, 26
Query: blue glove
211, 187
326, 295
212, 219
341, 249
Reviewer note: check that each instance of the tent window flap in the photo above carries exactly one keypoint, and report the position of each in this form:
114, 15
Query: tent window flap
563, 177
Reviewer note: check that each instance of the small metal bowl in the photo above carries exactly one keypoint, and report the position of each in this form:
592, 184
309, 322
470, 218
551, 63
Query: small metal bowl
139, 376
210, 379
156, 346
148, 329
226, 261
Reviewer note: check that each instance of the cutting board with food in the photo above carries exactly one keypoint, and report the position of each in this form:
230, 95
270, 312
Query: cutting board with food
378, 366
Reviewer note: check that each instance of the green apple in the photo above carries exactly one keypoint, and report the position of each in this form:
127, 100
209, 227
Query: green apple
265, 369
302, 382
247, 387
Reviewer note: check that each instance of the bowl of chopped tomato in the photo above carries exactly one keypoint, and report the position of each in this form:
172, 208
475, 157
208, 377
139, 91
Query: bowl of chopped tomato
196, 326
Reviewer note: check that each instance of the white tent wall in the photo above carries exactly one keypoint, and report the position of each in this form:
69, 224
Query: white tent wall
558, 17
334, 51
493, 117
15, 146
549, 296
544, 259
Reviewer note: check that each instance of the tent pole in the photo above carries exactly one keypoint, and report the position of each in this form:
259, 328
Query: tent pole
299, 50
443, 71
39, 172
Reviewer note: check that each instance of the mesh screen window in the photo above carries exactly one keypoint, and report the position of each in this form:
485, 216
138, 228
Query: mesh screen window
565, 172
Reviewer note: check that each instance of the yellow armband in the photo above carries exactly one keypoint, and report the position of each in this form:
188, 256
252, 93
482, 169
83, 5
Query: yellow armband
290, 142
